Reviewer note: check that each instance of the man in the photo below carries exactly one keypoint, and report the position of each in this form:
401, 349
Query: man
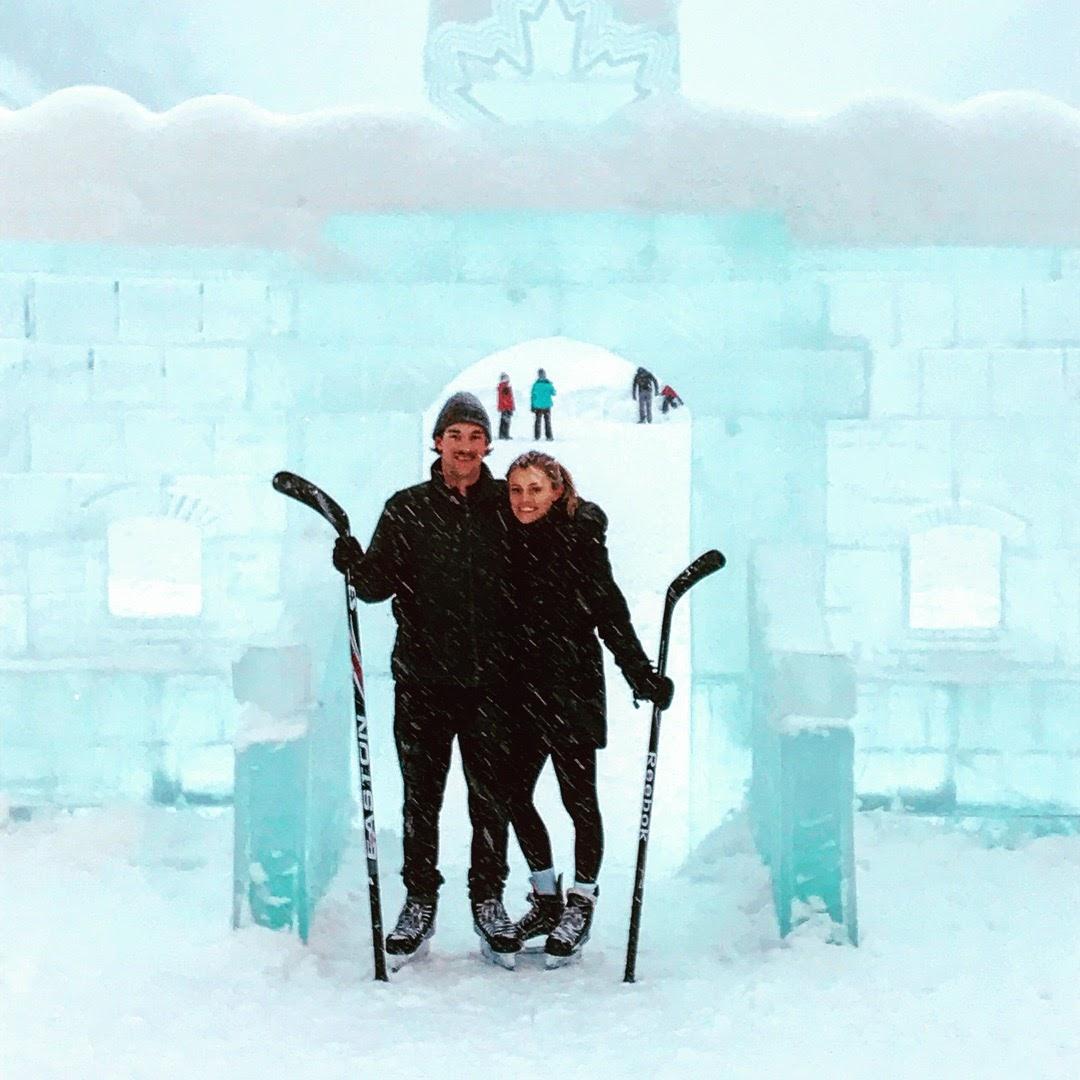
504, 403
543, 393
644, 387
439, 550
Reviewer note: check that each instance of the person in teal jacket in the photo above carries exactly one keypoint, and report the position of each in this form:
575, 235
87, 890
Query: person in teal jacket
542, 394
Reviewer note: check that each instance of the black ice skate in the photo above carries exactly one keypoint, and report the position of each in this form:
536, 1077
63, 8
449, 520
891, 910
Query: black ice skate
498, 941
415, 927
565, 941
545, 911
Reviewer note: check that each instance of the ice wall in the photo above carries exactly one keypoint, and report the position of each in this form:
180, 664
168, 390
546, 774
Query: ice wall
127, 398
844, 400
970, 422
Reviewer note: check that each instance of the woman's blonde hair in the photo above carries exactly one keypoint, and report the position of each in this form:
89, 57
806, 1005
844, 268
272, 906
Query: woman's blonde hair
559, 475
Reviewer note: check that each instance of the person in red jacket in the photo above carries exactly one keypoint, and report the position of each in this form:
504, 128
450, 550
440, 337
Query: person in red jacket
504, 404
671, 399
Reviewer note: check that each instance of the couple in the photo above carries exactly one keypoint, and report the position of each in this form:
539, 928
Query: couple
498, 590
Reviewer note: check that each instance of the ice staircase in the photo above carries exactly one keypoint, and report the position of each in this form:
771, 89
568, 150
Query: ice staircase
292, 796
802, 789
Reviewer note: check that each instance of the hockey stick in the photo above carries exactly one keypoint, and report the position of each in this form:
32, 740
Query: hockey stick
296, 487
701, 567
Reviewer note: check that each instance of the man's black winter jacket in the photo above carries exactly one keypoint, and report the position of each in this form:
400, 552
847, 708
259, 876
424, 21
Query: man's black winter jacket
644, 384
442, 556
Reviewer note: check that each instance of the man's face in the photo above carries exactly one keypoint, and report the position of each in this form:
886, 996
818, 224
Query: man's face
462, 448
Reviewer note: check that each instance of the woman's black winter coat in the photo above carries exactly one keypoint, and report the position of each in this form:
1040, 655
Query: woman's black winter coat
563, 594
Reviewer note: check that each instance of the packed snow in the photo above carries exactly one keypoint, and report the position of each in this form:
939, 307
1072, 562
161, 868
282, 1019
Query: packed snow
90, 164
118, 961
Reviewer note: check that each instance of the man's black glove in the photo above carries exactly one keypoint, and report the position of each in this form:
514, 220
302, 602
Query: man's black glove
651, 686
348, 554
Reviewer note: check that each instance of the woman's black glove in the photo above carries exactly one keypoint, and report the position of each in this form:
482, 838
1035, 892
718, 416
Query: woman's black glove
348, 554
648, 685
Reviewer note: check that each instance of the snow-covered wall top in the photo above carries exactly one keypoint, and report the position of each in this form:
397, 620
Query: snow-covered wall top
90, 164
630, 11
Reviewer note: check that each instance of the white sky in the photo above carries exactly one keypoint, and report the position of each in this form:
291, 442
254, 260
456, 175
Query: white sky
772, 55
789, 55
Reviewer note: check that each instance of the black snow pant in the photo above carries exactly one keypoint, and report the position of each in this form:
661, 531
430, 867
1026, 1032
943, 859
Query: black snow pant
427, 718
575, 770
544, 414
504, 425
644, 407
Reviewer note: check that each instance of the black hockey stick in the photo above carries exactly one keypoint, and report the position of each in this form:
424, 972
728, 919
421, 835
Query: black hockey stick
296, 487
701, 567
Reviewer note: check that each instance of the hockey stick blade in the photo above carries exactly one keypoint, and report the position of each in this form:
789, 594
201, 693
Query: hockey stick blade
701, 567
296, 487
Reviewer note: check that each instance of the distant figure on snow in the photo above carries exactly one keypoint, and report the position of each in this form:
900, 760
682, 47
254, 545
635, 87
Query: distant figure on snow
644, 388
540, 402
670, 400
504, 404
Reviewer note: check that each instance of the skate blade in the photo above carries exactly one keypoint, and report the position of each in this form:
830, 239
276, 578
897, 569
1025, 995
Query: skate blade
507, 961
532, 958
396, 961
553, 962
535, 949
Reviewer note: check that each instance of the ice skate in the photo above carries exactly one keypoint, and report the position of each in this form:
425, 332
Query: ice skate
545, 911
564, 943
411, 937
498, 942
396, 961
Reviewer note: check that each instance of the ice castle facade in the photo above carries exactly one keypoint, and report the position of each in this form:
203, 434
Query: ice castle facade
884, 444
869, 427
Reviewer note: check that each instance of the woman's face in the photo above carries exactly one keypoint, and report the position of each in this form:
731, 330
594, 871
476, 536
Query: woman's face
532, 494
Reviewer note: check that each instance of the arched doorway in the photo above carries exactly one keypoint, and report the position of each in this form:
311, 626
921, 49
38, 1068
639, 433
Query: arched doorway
640, 475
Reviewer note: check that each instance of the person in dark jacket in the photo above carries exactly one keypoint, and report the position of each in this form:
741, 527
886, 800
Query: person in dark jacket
541, 398
504, 404
564, 594
439, 549
644, 388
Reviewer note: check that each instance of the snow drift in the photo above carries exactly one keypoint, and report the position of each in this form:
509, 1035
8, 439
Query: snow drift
90, 164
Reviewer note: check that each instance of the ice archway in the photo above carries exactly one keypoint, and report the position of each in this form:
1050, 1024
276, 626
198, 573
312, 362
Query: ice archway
640, 475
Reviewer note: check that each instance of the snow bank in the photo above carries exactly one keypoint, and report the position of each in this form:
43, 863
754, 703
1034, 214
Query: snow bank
90, 164
123, 966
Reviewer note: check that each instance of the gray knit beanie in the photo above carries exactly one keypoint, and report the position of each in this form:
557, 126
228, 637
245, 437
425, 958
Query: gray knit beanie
462, 408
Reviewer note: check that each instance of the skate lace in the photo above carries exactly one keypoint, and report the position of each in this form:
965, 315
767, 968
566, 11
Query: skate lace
573, 920
538, 907
491, 915
414, 917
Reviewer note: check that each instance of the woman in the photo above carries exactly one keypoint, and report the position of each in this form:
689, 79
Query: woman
564, 594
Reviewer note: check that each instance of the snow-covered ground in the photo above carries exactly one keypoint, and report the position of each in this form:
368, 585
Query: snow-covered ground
117, 960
